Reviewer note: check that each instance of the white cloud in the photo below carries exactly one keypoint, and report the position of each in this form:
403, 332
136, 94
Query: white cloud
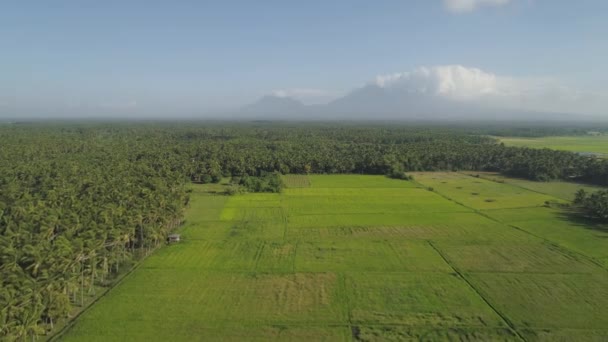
462, 6
452, 81
306, 95
457, 82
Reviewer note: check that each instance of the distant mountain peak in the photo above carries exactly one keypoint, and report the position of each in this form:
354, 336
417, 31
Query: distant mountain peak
373, 101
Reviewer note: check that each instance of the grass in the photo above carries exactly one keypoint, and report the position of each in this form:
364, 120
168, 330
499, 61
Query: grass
296, 181
417, 299
523, 258
584, 238
351, 257
581, 143
542, 301
357, 182
465, 227
559, 189
372, 201
479, 193
372, 256
405, 333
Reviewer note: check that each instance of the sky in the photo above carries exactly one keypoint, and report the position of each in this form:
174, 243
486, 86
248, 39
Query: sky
174, 57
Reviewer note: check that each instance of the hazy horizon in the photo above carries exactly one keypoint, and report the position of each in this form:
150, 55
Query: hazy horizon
68, 59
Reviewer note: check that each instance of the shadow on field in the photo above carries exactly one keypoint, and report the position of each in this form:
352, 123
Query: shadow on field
579, 218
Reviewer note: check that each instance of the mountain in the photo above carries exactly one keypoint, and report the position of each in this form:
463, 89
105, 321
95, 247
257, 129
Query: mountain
373, 102
386, 103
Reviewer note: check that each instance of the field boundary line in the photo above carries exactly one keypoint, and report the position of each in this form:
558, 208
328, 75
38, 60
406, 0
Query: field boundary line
258, 254
346, 300
513, 185
448, 198
561, 248
285, 217
460, 274
550, 242
295, 251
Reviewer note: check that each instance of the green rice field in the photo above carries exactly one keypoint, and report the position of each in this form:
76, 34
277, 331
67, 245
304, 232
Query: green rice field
592, 144
447, 256
560, 189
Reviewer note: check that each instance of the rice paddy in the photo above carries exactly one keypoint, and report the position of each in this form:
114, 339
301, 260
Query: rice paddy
448, 256
590, 144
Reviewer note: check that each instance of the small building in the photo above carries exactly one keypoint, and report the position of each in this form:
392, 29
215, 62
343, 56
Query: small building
173, 238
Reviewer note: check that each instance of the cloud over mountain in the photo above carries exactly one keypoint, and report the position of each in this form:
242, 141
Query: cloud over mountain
451, 81
476, 86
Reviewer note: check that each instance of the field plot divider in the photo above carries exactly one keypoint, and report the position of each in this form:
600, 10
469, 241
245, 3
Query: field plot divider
295, 251
284, 218
552, 243
549, 242
461, 276
513, 185
346, 300
258, 255
446, 197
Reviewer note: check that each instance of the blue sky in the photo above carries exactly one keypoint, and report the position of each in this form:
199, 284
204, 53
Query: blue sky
164, 56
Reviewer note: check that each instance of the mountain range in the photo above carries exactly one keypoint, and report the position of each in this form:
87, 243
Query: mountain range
374, 102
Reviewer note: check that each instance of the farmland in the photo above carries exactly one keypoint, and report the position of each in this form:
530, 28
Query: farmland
560, 189
349, 257
580, 143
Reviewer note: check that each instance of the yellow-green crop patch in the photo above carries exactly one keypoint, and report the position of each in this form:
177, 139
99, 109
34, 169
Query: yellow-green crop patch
257, 230
253, 201
357, 182
296, 181
239, 256
374, 201
366, 258
461, 227
215, 230
187, 332
464, 227
372, 256
253, 214
357, 192
207, 208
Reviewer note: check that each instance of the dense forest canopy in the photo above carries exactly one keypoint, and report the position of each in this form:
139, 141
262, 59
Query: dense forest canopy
78, 202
